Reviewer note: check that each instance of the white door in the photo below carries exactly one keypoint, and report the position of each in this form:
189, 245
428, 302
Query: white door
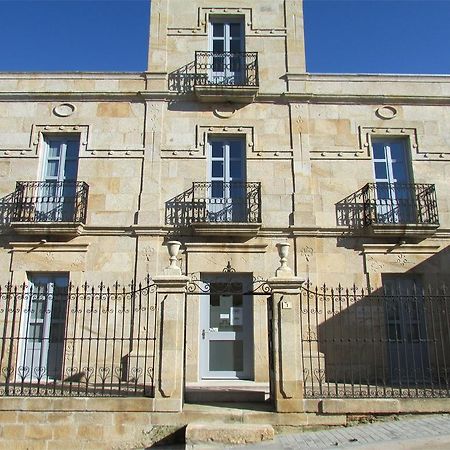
226, 198
227, 46
395, 196
59, 174
43, 327
226, 329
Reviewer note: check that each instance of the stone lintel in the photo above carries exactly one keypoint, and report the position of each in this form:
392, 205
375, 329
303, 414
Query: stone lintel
48, 229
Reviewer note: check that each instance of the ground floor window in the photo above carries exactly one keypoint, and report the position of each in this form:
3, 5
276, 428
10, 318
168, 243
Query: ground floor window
43, 326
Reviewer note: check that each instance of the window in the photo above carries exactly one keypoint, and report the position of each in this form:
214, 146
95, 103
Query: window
57, 191
227, 47
43, 327
405, 327
226, 173
395, 194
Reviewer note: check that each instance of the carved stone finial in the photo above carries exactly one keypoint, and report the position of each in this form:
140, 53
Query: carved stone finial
284, 270
173, 247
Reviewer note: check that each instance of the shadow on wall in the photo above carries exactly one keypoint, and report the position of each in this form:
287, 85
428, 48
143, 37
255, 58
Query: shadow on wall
7, 208
183, 79
390, 342
350, 211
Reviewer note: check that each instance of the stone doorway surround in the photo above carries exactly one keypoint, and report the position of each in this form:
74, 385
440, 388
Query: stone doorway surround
284, 343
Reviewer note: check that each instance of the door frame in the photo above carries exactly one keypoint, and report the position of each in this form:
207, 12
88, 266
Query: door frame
207, 280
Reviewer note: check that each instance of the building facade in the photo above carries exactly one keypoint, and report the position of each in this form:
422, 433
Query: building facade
229, 147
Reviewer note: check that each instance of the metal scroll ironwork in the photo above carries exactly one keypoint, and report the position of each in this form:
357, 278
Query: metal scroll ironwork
224, 283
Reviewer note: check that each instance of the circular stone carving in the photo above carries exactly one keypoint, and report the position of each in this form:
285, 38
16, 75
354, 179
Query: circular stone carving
386, 112
224, 112
64, 110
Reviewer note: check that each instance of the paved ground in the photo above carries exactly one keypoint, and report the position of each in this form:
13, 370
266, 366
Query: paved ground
429, 432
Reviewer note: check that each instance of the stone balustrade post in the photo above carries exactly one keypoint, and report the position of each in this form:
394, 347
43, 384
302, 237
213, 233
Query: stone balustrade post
169, 376
287, 371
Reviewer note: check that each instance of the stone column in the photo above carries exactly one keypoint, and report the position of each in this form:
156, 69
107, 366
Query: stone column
286, 373
169, 378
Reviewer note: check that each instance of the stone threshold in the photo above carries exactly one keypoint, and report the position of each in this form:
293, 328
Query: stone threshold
210, 391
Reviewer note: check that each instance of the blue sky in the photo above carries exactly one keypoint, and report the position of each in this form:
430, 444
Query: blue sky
362, 36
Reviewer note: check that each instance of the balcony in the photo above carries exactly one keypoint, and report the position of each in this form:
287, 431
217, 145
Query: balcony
228, 208
221, 77
41, 207
391, 209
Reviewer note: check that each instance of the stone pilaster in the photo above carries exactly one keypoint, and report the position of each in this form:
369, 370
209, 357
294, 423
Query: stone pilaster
287, 382
171, 294
169, 377
287, 371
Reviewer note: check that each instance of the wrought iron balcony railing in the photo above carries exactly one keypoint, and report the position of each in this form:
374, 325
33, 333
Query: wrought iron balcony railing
216, 201
231, 69
50, 201
389, 204
398, 203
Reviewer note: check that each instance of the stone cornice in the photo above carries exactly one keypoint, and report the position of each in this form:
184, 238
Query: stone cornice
72, 76
286, 97
368, 77
73, 96
371, 99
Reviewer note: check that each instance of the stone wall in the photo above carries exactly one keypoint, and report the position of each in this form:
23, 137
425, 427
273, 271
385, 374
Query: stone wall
75, 423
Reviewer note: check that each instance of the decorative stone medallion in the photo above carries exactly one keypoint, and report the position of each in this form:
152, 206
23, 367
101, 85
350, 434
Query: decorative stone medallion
224, 112
64, 110
386, 112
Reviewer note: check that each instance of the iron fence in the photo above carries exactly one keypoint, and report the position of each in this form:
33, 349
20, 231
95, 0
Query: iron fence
226, 68
392, 342
216, 201
50, 201
77, 341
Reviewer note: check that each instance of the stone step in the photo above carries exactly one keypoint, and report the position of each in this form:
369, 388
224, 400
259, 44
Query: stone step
228, 394
202, 435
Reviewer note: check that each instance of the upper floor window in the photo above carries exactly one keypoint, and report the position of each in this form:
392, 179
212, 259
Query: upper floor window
227, 45
395, 193
60, 159
227, 35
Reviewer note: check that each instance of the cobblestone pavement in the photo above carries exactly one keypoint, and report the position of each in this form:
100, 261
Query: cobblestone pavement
406, 433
